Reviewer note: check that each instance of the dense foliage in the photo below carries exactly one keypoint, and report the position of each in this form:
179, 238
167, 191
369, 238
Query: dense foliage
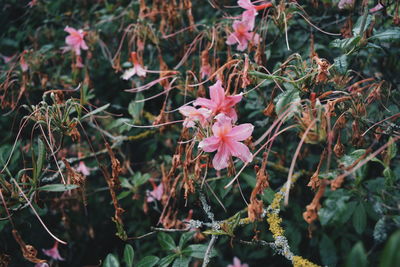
189, 133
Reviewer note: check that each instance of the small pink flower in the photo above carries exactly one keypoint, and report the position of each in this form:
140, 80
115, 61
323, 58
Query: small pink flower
6, 58
237, 263
377, 8
22, 62
137, 68
242, 35
82, 168
251, 11
218, 102
42, 264
79, 63
192, 114
345, 4
225, 140
53, 252
75, 40
156, 193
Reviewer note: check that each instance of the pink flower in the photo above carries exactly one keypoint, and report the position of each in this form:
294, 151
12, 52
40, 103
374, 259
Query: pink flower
53, 252
345, 4
225, 140
75, 40
218, 102
192, 114
205, 71
137, 68
42, 264
82, 168
251, 11
377, 8
242, 35
156, 193
79, 63
237, 263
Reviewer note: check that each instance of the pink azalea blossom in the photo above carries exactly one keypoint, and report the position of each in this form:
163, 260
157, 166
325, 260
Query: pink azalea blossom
251, 11
192, 114
156, 193
219, 102
242, 35
237, 263
75, 40
137, 68
42, 264
82, 168
225, 140
53, 252
6, 58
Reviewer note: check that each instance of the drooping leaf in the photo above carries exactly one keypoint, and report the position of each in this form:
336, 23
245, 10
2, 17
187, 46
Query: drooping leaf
111, 261
148, 261
357, 256
129, 254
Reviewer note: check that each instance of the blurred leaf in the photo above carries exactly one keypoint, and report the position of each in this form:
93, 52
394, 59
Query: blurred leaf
135, 109
285, 100
58, 187
185, 238
391, 256
111, 261
341, 64
327, 251
387, 35
357, 256
164, 262
359, 219
148, 261
181, 262
129, 255
166, 241
97, 110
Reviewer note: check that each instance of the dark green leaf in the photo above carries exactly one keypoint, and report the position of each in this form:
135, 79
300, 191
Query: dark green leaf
327, 251
391, 256
181, 262
129, 255
164, 262
198, 251
359, 219
185, 238
387, 35
286, 100
148, 261
357, 256
166, 241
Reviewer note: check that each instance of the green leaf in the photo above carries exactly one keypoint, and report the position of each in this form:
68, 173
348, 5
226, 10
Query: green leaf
100, 109
129, 254
391, 256
58, 187
360, 218
140, 179
389, 176
286, 100
341, 64
164, 262
166, 241
40, 159
327, 250
135, 109
387, 35
111, 261
345, 44
148, 261
181, 262
265, 75
357, 256
357, 26
198, 251
185, 238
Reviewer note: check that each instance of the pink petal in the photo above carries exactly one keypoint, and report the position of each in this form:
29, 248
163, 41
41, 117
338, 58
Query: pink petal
220, 160
217, 93
242, 45
241, 132
246, 4
231, 113
83, 45
249, 16
204, 102
232, 39
236, 261
210, 144
140, 71
70, 30
187, 110
240, 151
128, 73
232, 100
